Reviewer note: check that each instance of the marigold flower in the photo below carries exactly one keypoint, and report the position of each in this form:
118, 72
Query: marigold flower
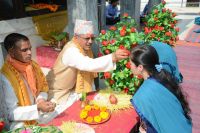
89, 119
107, 51
107, 75
113, 28
122, 32
104, 115
103, 32
121, 47
133, 29
128, 65
156, 11
83, 114
163, 2
97, 118
125, 15
177, 29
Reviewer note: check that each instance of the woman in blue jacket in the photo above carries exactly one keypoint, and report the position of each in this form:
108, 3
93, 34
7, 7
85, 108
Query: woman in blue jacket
168, 59
159, 101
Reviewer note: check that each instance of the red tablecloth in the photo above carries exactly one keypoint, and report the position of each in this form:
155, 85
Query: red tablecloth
46, 56
120, 122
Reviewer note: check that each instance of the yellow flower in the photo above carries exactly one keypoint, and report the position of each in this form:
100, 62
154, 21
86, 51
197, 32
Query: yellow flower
104, 115
96, 107
83, 114
89, 119
103, 108
97, 118
88, 107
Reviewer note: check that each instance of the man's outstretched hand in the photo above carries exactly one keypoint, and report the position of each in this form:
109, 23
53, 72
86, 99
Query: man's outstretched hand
120, 54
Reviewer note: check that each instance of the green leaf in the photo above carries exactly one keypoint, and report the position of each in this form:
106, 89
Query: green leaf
120, 84
132, 88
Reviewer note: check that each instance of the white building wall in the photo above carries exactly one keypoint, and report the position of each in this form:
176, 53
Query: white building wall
23, 26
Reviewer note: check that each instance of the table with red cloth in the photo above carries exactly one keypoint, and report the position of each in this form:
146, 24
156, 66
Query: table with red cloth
120, 121
46, 56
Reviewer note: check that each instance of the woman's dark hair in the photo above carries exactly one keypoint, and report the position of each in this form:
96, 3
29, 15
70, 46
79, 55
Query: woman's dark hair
11, 40
147, 56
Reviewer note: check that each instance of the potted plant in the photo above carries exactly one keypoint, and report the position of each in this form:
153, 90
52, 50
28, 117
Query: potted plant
123, 35
160, 25
58, 40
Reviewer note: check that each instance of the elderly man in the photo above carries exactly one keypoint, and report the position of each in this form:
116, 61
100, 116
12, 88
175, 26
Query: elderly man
24, 85
75, 67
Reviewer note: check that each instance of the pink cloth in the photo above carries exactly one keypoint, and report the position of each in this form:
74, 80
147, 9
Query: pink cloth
46, 56
120, 122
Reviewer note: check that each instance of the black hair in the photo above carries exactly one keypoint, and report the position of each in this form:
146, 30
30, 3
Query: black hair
11, 40
147, 56
112, 1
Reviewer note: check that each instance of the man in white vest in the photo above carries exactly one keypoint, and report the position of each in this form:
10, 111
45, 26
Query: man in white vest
75, 69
